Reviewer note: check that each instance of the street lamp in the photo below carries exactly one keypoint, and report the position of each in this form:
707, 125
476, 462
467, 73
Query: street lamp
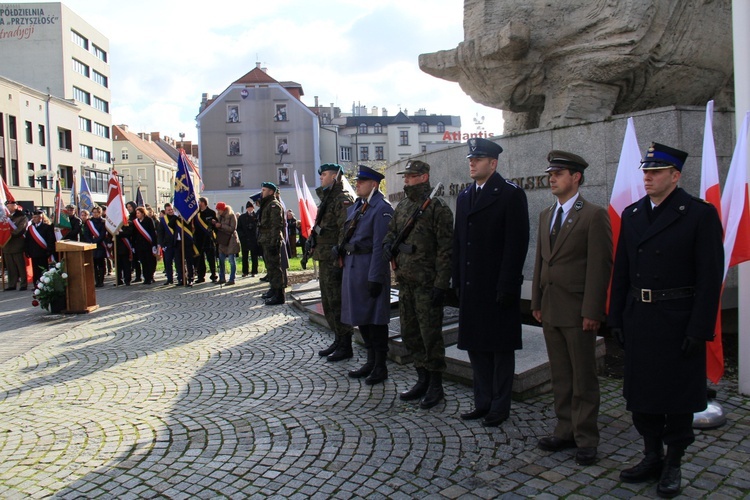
182, 140
40, 176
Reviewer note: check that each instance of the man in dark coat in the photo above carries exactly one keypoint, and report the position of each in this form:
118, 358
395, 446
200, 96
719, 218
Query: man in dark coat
93, 230
271, 229
366, 284
40, 244
204, 241
491, 239
666, 288
247, 230
569, 297
76, 225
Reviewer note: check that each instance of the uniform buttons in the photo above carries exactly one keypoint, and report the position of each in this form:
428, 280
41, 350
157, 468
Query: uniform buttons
468, 243
637, 275
640, 250
468, 283
468, 263
658, 252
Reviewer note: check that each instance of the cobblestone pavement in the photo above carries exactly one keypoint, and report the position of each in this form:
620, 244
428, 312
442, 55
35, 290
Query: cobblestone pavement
205, 393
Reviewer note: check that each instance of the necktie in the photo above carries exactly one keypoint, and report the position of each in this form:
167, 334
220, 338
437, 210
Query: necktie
476, 196
556, 228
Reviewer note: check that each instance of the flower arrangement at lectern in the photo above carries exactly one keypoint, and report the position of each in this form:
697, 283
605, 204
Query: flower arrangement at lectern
50, 291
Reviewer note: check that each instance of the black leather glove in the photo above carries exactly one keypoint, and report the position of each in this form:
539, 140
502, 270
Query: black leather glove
335, 252
308, 246
437, 295
374, 288
458, 293
619, 336
691, 346
505, 301
387, 254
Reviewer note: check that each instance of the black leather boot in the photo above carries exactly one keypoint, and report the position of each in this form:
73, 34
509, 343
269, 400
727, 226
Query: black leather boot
343, 350
365, 369
277, 298
434, 393
670, 483
379, 371
420, 387
268, 294
328, 350
650, 467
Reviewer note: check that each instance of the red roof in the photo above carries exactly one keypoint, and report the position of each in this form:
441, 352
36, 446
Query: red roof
257, 75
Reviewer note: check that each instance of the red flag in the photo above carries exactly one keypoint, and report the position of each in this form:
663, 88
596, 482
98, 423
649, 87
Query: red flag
5, 224
306, 222
628, 187
735, 210
711, 192
116, 213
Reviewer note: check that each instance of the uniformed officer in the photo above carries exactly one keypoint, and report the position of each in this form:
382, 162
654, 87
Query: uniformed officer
491, 239
271, 228
326, 233
569, 297
665, 296
423, 270
366, 284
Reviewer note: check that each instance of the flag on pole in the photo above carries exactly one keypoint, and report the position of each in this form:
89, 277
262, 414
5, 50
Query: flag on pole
312, 208
61, 217
6, 227
74, 194
348, 186
138, 197
735, 210
84, 199
711, 192
306, 222
185, 200
116, 213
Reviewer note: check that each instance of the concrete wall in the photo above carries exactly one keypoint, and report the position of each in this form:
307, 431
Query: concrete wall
600, 143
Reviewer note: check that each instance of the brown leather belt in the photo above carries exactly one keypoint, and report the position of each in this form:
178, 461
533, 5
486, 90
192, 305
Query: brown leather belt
647, 295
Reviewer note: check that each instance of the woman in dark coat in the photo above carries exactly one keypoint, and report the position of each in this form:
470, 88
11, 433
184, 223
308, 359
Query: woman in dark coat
144, 242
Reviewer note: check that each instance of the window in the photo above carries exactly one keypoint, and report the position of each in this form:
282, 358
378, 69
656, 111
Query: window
124, 154
14, 177
362, 128
101, 104
440, 127
42, 136
86, 151
101, 155
101, 130
424, 148
98, 52
66, 177
81, 68
29, 133
32, 177
280, 115
64, 139
79, 39
100, 79
3, 174
46, 179
424, 128
84, 124
345, 153
12, 129
233, 113
364, 153
81, 95
378, 129
97, 181
379, 153
404, 137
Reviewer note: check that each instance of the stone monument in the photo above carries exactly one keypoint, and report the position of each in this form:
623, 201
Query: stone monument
547, 64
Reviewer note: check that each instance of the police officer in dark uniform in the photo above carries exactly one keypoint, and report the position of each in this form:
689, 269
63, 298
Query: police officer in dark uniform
491, 239
666, 287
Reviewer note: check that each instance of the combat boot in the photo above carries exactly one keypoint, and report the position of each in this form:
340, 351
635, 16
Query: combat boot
435, 392
269, 293
379, 371
650, 467
277, 298
343, 350
420, 387
670, 483
365, 369
328, 350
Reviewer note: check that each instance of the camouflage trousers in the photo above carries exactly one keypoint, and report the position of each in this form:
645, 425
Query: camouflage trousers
272, 259
330, 292
422, 326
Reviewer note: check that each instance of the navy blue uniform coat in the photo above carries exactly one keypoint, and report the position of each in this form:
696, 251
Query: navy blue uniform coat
490, 245
682, 248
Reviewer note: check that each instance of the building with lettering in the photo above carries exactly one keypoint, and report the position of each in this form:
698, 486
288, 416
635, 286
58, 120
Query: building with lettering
256, 130
49, 48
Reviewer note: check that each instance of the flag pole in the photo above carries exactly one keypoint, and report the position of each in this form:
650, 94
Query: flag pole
182, 243
117, 267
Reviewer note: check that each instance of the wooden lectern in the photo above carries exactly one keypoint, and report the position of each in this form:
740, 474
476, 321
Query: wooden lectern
79, 264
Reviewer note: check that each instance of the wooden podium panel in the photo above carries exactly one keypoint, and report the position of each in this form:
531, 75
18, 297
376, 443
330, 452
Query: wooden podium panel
79, 264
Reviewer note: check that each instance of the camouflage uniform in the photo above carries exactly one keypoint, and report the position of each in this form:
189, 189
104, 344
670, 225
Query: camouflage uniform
271, 227
417, 273
327, 236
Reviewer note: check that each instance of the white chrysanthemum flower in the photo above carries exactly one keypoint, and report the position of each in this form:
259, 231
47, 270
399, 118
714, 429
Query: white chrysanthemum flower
37, 292
58, 265
64, 275
40, 285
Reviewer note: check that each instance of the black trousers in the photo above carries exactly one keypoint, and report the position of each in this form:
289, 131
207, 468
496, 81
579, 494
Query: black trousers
207, 254
253, 253
493, 379
674, 429
124, 265
375, 337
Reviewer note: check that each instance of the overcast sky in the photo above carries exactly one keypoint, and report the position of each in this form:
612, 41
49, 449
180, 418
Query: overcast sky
165, 54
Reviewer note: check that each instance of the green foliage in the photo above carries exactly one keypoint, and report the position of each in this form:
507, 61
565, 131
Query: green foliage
51, 287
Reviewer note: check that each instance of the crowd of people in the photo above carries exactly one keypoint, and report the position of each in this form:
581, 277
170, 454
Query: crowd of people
666, 273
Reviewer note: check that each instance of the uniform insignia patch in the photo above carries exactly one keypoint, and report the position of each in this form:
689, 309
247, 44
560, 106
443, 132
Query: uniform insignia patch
682, 207
578, 205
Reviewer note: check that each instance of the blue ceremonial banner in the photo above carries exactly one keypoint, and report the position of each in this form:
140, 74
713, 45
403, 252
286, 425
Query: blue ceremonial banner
185, 200
84, 200
138, 197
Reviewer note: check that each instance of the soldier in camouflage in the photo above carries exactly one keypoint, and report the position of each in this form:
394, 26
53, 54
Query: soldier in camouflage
271, 227
329, 224
423, 271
